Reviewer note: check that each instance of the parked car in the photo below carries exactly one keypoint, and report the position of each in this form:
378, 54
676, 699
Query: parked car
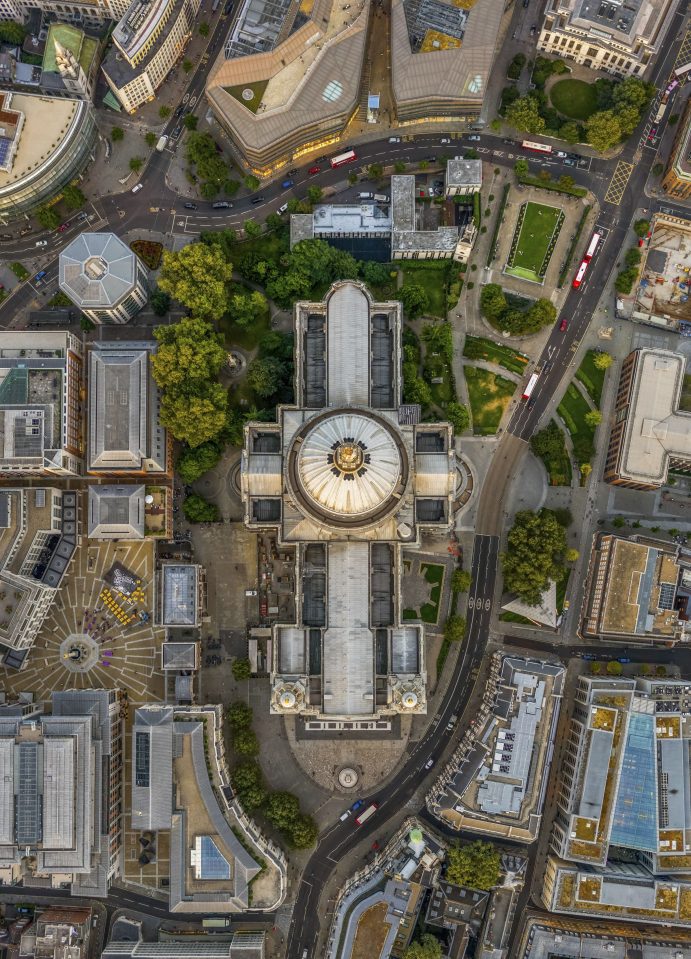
569, 162
292, 172
82, 216
39, 276
652, 134
394, 139
358, 804
190, 206
474, 137
179, 110
62, 227
624, 660
137, 188
344, 816
282, 209
561, 154
176, 132
41, 242
562, 326
257, 199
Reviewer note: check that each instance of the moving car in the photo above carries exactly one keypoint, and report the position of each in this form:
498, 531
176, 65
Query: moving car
313, 170
190, 206
221, 205
445, 140
286, 185
452, 721
39, 276
257, 199
62, 227
358, 804
429, 763
563, 325
41, 242
137, 188
394, 139
474, 137
344, 816
282, 209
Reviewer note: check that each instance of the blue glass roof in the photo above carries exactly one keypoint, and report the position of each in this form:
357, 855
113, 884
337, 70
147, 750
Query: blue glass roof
635, 814
214, 865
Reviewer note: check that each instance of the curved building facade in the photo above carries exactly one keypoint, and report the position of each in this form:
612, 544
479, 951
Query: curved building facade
31, 170
347, 479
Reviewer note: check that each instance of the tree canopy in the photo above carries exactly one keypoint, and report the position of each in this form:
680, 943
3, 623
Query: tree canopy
196, 276
239, 715
414, 299
602, 360
248, 783
194, 419
246, 308
426, 947
475, 864
458, 416
535, 554
193, 463
266, 375
524, 114
199, 510
496, 307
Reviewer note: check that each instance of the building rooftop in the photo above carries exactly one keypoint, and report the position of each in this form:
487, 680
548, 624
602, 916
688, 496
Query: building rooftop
656, 428
97, 270
116, 512
467, 173
83, 48
152, 768
350, 218
118, 398
574, 940
32, 121
179, 595
622, 24
443, 52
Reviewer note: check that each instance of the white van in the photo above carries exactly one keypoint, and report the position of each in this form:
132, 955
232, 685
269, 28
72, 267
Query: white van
282, 209
366, 196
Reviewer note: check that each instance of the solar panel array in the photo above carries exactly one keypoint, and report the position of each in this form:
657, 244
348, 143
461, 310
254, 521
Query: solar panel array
28, 808
142, 760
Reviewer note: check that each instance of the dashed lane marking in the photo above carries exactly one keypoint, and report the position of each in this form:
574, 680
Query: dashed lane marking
617, 184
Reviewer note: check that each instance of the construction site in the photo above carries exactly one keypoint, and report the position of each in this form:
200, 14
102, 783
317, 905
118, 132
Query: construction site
662, 294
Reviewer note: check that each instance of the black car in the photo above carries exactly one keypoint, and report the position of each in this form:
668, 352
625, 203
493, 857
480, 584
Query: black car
179, 110
292, 172
257, 199
431, 159
190, 206
228, 8
176, 132
221, 205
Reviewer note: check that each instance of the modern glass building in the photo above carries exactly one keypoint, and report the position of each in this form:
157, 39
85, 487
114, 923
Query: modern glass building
46, 143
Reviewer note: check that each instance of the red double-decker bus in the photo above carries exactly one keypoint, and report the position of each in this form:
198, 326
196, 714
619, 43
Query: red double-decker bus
589, 253
343, 158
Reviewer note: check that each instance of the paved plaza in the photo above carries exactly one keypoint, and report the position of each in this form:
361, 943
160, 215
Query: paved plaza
83, 644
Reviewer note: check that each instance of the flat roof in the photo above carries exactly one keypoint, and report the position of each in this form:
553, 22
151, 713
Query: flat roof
179, 605
118, 398
116, 512
367, 217
464, 172
655, 428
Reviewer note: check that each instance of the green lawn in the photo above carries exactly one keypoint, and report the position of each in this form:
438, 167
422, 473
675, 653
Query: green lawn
508, 617
433, 277
572, 410
256, 89
429, 612
489, 395
575, 99
592, 378
532, 246
480, 348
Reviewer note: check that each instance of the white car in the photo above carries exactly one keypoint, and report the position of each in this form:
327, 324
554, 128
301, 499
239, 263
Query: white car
345, 815
41, 242
445, 140
474, 137
394, 139
137, 188
560, 153
282, 209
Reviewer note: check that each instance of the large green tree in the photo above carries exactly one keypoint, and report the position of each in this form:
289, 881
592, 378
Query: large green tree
195, 418
239, 715
414, 299
193, 463
189, 353
73, 197
246, 308
493, 303
426, 947
196, 276
548, 442
475, 864
603, 130
534, 555
458, 416
11, 32
48, 217
248, 783
245, 742
524, 114
266, 375
283, 809
199, 510
303, 832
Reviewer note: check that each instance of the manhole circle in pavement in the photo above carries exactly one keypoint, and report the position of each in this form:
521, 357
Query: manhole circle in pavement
247, 94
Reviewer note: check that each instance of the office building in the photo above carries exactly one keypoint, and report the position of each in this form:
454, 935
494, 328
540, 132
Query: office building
462, 177
388, 228
41, 416
210, 869
350, 477
624, 775
676, 181
147, 43
623, 40
651, 432
116, 512
544, 937
125, 436
57, 933
637, 590
61, 804
441, 57
45, 143
103, 277
39, 534
83, 13
242, 944
288, 78
496, 785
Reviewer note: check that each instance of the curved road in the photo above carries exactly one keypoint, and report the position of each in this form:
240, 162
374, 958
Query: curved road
129, 211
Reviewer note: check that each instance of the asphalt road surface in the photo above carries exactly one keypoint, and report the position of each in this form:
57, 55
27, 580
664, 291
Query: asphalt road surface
130, 211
